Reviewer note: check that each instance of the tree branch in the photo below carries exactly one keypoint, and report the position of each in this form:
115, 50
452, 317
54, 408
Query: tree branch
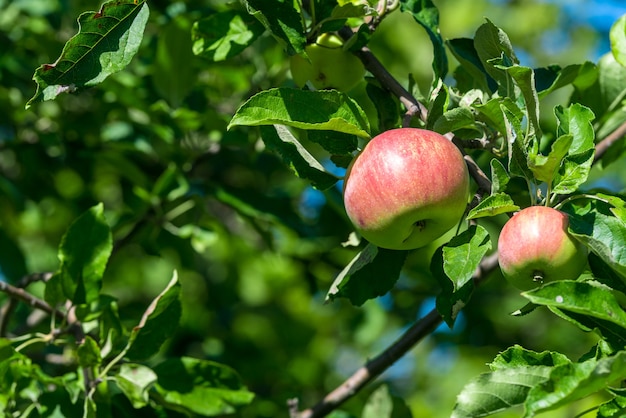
20, 294
376, 366
609, 140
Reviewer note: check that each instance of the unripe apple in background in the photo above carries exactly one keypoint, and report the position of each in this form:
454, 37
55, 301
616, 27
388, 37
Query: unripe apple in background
406, 188
534, 248
328, 65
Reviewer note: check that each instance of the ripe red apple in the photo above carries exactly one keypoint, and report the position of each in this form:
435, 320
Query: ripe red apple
406, 188
534, 248
328, 65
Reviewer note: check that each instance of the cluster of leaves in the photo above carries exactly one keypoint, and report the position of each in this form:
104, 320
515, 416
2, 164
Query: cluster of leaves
108, 366
494, 101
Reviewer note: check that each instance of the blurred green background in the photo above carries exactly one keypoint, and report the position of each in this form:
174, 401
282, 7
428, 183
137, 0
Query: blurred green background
256, 248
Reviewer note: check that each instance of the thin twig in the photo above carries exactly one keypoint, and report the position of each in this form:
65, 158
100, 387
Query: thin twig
609, 140
21, 294
376, 366
378, 70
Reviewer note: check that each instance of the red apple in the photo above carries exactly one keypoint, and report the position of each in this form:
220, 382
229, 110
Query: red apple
406, 188
534, 248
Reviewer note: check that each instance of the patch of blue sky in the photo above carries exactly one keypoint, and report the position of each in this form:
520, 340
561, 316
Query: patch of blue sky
599, 15
312, 200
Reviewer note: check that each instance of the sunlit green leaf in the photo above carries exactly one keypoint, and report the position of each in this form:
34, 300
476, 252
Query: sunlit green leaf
106, 42
223, 35
492, 43
323, 110
580, 297
455, 119
570, 382
595, 226
499, 177
617, 35
493, 205
524, 77
453, 265
283, 22
135, 380
544, 167
498, 390
462, 255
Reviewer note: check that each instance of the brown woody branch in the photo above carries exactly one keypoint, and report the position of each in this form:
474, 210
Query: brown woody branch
609, 140
20, 294
426, 325
376, 366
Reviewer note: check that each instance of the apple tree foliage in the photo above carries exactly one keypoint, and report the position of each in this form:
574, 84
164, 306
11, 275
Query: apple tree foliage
70, 344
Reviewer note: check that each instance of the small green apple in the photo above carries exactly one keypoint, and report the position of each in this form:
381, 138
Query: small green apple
328, 65
406, 188
534, 248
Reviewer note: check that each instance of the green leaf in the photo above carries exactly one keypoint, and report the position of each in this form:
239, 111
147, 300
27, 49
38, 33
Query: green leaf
282, 20
462, 255
438, 103
524, 77
279, 139
350, 9
322, 110
498, 390
223, 35
455, 119
493, 111
89, 353
84, 252
202, 387
135, 380
158, 323
617, 36
492, 43
615, 408
464, 51
426, 14
573, 172
379, 404
545, 167
517, 149
548, 79
387, 106
517, 356
493, 205
611, 334
371, 273
577, 121
580, 297
499, 177
453, 265
336, 143
597, 227
514, 373
106, 42
570, 382
605, 275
